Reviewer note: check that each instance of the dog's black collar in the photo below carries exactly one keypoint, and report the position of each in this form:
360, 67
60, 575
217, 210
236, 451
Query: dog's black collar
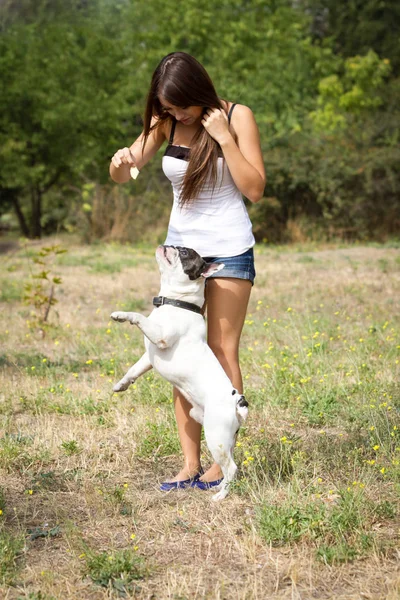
160, 300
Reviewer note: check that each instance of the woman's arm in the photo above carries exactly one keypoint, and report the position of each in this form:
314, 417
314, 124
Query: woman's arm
134, 156
243, 157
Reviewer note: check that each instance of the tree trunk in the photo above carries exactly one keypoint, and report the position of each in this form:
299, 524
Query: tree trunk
36, 200
20, 215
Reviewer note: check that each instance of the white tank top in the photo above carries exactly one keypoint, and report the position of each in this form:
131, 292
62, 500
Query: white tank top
215, 224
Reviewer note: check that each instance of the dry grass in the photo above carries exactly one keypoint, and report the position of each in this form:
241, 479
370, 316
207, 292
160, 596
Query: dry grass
77, 457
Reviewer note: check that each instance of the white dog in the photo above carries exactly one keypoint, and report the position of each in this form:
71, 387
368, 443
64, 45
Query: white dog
175, 341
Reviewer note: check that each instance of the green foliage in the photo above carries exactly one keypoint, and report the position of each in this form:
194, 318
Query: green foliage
326, 103
355, 93
57, 112
346, 183
356, 26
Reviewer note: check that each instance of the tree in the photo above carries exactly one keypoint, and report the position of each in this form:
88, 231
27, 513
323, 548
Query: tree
58, 110
76, 76
357, 26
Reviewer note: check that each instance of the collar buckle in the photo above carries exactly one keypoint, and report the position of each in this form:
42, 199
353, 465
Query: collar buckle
158, 300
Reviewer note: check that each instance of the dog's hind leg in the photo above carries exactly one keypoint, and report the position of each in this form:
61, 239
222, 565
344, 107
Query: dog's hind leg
141, 366
219, 443
228, 468
197, 413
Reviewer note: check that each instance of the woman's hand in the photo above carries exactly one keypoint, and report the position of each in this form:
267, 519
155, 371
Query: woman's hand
215, 122
240, 144
123, 156
126, 162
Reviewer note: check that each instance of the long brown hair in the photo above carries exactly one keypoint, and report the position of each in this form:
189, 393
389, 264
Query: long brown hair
184, 82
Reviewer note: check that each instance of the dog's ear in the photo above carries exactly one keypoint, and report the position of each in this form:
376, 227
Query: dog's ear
212, 268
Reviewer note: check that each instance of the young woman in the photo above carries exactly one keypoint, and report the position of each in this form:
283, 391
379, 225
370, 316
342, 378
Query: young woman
212, 159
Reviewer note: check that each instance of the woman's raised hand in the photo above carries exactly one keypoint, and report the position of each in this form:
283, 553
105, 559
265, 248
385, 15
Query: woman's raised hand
123, 156
215, 122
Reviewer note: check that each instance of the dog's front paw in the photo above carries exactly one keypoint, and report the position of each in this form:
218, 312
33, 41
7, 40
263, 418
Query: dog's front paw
119, 316
121, 386
223, 492
220, 495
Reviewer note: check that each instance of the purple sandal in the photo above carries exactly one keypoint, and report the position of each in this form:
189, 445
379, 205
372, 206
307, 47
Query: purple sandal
205, 485
167, 486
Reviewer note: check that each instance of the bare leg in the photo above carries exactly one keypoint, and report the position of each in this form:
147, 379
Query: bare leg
227, 300
189, 435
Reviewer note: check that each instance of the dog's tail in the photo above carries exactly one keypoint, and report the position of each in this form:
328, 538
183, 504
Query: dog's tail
241, 407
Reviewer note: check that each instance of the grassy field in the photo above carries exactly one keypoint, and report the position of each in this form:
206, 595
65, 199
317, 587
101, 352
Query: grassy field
314, 512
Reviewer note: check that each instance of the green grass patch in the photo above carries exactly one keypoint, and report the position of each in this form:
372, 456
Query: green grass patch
11, 547
49, 481
10, 291
318, 458
339, 526
117, 570
36, 596
159, 439
98, 262
17, 452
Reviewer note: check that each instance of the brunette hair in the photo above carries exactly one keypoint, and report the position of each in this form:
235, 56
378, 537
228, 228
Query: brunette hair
184, 82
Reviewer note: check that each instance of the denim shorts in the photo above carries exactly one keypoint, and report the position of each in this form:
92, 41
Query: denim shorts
238, 267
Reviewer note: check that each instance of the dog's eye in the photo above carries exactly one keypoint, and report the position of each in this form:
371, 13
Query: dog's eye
184, 252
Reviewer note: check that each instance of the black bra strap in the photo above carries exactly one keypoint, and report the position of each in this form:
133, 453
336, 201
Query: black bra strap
171, 135
230, 112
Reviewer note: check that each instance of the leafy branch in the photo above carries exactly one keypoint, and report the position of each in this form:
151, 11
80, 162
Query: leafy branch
39, 291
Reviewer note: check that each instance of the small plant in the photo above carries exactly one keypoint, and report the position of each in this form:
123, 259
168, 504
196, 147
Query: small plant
117, 496
39, 291
43, 532
71, 447
10, 549
161, 440
117, 570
